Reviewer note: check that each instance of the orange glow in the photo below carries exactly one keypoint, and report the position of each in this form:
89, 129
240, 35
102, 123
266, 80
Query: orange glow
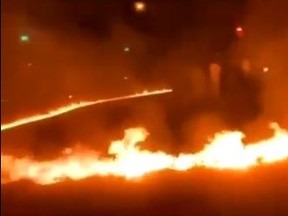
265, 69
74, 106
139, 6
225, 151
215, 73
239, 31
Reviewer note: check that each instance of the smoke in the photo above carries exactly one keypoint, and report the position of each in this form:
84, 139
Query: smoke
92, 56
251, 104
87, 59
59, 64
267, 46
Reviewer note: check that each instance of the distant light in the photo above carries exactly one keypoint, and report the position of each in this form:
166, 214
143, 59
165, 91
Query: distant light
139, 6
239, 31
125, 78
24, 38
29, 64
265, 69
70, 96
126, 49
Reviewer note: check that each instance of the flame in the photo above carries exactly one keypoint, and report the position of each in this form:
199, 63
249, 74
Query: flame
74, 106
225, 151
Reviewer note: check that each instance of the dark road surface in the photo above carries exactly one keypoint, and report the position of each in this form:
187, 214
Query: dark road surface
262, 191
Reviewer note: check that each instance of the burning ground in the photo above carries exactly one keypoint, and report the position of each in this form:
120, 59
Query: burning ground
175, 154
225, 151
239, 190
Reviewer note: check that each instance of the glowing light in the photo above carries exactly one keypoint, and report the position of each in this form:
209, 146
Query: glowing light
24, 38
140, 6
239, 31
126, 49
225, 151
70, 96
74, 106
265, 69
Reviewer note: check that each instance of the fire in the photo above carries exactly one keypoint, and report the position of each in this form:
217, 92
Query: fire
74, 106
225, 151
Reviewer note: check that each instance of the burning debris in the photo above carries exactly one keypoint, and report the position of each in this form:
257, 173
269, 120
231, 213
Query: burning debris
79, 105
225, 151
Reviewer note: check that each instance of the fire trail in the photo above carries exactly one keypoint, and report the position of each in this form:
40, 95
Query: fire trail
74, 106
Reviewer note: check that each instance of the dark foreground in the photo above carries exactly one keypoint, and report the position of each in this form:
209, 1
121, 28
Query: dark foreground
262, 191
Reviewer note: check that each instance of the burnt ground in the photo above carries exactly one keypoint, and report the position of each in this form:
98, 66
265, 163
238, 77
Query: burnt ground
261, 191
